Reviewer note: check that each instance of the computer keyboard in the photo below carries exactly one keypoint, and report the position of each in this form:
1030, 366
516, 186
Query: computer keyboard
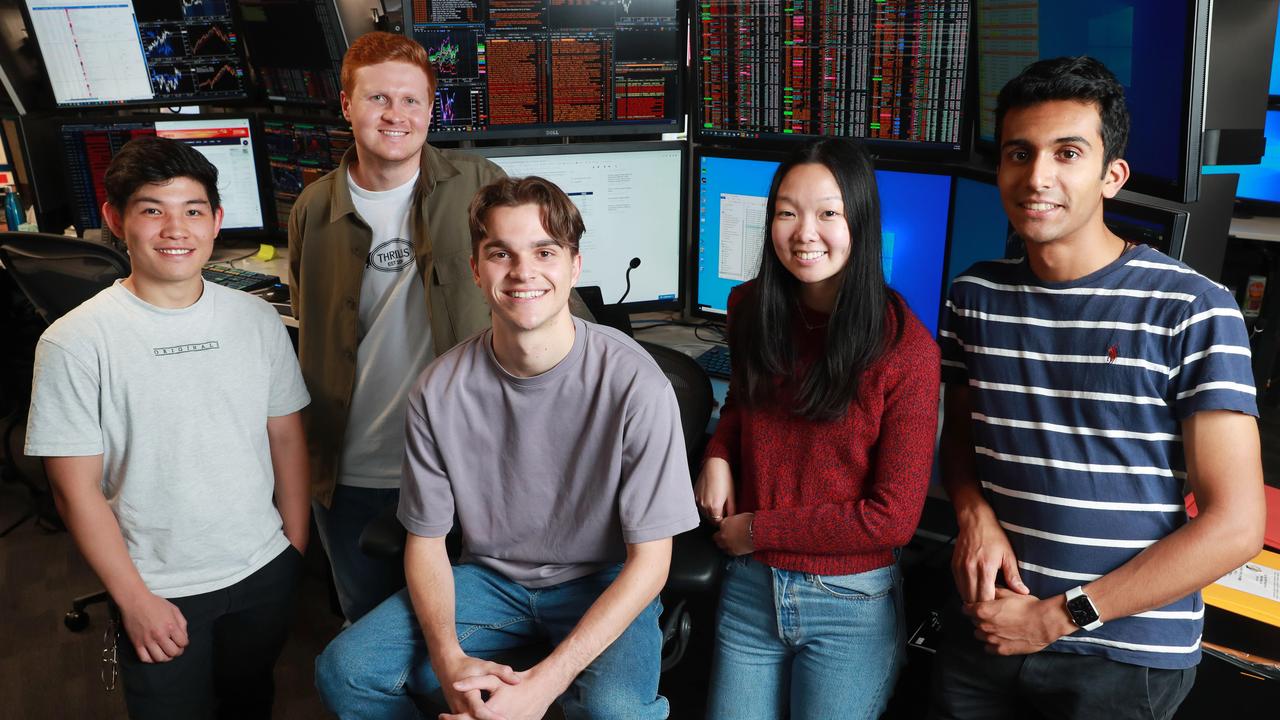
716, 361
237, 279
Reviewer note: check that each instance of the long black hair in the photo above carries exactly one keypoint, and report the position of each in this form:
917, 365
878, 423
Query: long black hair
761, 333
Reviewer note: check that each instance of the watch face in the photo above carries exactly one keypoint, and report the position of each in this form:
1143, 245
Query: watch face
1081, 610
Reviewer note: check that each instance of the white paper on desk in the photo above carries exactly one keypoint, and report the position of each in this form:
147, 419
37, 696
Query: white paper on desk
1254, 579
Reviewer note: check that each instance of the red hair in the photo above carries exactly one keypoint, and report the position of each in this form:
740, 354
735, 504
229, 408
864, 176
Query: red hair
379, 47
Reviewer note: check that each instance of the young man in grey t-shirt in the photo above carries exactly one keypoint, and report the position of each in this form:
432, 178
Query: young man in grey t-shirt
557, 444
166, 411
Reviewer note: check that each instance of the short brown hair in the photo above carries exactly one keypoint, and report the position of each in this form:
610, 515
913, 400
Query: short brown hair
560, 217
379, 47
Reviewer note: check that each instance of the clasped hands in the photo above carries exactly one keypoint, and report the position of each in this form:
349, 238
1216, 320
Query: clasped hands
1007, 619
478, 689
714, 495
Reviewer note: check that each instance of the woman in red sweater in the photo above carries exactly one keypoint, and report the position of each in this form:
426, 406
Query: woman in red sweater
818, 469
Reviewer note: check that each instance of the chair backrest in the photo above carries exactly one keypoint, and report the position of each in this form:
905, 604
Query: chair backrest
57, 273
693, 393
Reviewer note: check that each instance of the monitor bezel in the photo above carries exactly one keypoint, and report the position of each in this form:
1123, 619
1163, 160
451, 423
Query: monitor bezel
905, 150
682, 245
1153, 210
233, 100
1185, 188
590, 129
266, 204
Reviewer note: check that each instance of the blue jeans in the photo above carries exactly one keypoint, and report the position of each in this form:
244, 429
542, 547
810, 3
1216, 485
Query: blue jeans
370, 669
361, 581
816, 646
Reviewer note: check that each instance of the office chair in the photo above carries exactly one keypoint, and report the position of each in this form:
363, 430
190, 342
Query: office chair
696, 563
56, 274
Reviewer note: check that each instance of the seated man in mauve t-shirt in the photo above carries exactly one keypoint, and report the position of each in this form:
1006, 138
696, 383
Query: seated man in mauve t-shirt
557, 443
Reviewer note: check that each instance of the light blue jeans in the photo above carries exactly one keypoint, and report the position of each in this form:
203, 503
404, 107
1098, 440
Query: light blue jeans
816, 646
369, 670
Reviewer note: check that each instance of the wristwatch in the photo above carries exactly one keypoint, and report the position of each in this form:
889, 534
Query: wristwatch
1081, 610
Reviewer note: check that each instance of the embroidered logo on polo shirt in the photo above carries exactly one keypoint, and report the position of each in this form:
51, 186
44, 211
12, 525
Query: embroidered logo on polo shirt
391, 256
1113, 352
189, 347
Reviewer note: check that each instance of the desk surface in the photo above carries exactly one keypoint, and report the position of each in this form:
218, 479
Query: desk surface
1266, 229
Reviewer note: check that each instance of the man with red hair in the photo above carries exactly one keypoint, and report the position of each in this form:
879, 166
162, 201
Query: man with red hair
378, 264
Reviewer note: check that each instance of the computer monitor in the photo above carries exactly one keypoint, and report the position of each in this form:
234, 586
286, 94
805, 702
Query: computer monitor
1146, 222
295, 49
980, 227
299, 151
1274, 92
228, 142
1258, 191
733, 190
1156, 48
138, 52
631, 196
534, 68
893, 74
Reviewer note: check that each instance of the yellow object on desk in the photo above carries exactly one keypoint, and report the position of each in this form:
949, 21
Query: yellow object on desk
266, 253
1251, 590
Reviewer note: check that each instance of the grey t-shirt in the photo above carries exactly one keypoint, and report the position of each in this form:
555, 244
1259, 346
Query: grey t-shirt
393, 336
551, 475
176, 401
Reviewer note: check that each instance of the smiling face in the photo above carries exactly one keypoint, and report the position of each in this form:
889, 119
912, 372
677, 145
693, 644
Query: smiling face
389, 108
809, 230
525, 275
1052, 173
169, 229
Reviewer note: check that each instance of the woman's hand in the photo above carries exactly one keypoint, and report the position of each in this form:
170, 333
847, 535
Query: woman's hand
714, 490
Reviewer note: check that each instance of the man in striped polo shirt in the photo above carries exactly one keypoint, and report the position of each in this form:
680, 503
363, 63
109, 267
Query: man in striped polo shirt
1085, 384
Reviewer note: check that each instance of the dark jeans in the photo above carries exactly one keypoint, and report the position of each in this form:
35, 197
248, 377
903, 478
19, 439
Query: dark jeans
969, 683
235, 636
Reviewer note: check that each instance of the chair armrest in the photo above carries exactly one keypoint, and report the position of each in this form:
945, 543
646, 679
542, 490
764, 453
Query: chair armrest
696, 563
384, 535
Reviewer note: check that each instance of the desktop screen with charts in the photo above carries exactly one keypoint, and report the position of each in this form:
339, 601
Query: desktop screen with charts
885, 71
549, 67
732, 231
300, 152
630, 204
295, 48
226, 142
157, 52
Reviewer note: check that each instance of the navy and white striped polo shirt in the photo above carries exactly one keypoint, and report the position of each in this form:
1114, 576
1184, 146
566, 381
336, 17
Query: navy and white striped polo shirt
1077, 394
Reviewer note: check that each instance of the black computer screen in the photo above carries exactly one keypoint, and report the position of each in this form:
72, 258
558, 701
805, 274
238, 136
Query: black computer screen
299, 152
138, 52
228, 142
892, 72
528, 68
631, 196
295, 48
1147, 44
733, 191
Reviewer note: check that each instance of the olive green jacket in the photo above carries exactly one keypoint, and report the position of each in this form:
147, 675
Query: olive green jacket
328, 245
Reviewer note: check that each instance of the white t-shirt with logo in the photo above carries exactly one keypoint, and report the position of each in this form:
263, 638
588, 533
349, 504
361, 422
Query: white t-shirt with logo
394, 340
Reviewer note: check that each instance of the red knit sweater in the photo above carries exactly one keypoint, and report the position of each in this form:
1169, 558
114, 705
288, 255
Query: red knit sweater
835, 498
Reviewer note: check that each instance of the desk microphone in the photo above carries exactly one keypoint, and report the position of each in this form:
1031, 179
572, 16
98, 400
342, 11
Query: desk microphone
635, 263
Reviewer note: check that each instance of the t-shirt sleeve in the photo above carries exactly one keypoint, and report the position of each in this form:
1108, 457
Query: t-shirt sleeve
951, 340
288, 391
65, 398
1213, 363
656, 500
426, 496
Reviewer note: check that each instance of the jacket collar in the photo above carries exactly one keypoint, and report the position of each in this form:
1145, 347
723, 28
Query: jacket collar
436, 168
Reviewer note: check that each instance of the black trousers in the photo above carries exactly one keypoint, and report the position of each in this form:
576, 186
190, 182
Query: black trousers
235, 636
969, 683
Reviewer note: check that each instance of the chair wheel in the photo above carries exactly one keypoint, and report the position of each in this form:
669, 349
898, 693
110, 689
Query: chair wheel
76, 620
